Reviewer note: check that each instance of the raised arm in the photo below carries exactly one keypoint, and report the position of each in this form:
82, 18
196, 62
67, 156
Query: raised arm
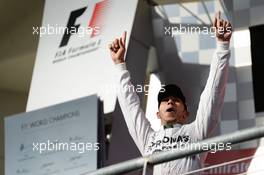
212, 97
138, 126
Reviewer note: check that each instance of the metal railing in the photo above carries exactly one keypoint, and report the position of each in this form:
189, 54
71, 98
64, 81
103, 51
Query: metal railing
142, 162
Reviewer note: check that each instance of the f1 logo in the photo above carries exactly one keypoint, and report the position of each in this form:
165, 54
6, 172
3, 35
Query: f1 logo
71, 25
95, 21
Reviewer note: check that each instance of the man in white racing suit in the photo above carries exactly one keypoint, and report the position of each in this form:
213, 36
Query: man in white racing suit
172, 106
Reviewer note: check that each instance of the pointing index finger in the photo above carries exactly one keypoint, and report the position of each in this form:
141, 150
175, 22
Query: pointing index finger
219, 15
124, 38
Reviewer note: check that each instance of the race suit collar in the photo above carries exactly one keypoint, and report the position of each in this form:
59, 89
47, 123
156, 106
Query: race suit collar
176, 125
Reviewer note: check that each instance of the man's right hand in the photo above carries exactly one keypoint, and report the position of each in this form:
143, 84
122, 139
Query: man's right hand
118, 49
222, 28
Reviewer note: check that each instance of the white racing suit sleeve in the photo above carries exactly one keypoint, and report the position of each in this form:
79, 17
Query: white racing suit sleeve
212, 97
138, 126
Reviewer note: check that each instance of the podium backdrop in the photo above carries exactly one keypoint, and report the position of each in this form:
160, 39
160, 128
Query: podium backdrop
77, 63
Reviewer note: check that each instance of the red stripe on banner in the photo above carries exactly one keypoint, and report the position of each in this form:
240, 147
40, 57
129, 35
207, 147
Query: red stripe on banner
98, 15
227, 156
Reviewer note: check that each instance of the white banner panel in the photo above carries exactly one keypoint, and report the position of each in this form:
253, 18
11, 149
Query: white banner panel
61, 140
73, 59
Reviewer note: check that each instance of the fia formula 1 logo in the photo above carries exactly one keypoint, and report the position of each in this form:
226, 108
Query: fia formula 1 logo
94, 27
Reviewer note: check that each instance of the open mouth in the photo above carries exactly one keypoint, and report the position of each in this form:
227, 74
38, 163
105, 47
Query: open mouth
170, 110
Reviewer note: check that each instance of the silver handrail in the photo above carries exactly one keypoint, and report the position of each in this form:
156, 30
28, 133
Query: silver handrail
196, 148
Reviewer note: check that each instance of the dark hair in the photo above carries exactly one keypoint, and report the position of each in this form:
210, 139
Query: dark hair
171, 90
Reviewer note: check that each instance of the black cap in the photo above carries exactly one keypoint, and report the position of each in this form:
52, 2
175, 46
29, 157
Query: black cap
171, 90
